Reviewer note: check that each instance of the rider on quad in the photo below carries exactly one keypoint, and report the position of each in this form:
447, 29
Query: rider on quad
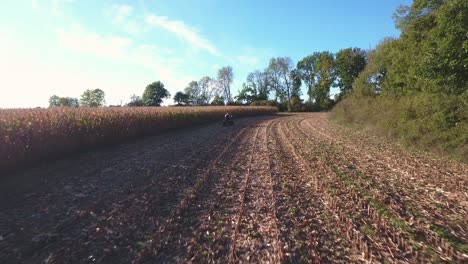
228, 120
227, 117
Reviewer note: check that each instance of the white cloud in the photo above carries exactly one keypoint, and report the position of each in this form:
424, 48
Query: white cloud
182, 31
124, 50
78, 39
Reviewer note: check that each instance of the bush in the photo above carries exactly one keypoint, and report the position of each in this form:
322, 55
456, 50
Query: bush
434, 122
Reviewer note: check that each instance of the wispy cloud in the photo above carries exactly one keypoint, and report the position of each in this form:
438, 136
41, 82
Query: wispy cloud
120, 15
183, 31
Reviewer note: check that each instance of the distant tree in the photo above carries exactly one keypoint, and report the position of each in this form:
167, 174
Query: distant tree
273, 71
325, 68
296, 102
193, 93
224, 81
258, 81
93, 98
246, 95
217, 100
306, 69
154, 94
56, 101
135, 100
207, 89
349, 63
181, 98
280, 69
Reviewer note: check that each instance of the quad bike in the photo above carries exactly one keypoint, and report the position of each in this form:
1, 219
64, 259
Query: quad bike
228, 122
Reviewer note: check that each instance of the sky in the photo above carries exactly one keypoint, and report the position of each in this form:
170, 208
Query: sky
63, 47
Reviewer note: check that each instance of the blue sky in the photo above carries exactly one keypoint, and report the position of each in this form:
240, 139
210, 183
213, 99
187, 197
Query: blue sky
64, 47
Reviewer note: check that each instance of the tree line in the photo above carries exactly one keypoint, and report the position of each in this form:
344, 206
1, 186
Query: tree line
280, 83
415, 87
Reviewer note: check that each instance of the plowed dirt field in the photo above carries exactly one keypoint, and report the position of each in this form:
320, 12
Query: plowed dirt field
275, 189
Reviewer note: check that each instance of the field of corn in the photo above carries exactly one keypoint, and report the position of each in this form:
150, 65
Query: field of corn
29, 135
271, 189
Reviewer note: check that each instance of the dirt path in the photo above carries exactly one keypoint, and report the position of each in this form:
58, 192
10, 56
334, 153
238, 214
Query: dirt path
280, 189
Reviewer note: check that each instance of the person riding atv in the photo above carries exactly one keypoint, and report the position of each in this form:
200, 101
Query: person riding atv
228, 120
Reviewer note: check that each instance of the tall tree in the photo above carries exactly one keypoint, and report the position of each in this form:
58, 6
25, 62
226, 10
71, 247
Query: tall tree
207, 89
193, 92
258, 81
325, 76
154, 94
225, 79
279, 70
349, 63
93, 98
295, 91
307, 71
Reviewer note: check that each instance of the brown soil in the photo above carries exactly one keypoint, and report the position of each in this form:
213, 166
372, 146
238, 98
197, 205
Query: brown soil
277, 189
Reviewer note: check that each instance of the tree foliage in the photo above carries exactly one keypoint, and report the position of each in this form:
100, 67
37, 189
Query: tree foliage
415, 87
56, 101
93, 98
217, 100
181, 98
349, 63
154, 94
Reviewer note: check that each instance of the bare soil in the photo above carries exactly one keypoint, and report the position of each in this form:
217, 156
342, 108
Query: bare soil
271, 189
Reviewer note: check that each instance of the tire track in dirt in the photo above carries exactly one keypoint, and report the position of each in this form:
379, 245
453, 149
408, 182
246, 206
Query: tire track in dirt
256, 239
205, 229
445, 186
397, 201
307, 226
373, 244
110, 226
420, 166
400, 234
171, 225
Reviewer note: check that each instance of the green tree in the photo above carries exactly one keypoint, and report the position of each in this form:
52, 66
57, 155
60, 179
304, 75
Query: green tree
56, 101
193, 93
349, 63
154, 94
93, 98
135, 100
181, 98
246, 95
296, 102
217, 100
306, 69
324, 68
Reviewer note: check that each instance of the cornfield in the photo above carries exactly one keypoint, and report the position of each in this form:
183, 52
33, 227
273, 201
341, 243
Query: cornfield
30, 135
